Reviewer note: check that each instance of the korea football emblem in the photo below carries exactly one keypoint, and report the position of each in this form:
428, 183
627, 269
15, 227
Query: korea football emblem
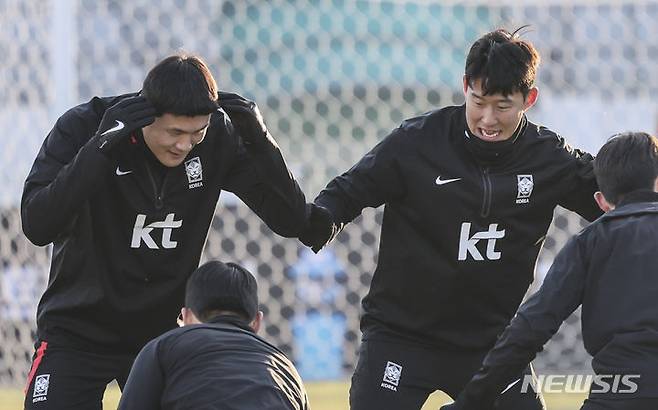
41, 384
525, 185
392, 374
194, 172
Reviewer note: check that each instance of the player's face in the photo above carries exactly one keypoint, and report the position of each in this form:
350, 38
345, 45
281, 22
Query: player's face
171, 137
495, 117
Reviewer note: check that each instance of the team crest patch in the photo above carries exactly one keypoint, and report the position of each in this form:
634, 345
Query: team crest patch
392, 375
41, 383
525, 185
194, 172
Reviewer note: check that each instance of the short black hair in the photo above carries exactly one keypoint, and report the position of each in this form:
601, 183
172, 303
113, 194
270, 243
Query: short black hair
181, 85
627, 162
227, 287
503, 62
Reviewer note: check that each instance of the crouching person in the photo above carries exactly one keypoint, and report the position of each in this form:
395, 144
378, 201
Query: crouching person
215, 360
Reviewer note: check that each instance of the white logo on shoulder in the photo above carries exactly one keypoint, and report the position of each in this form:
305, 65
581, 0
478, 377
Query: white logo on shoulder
392, 375
41, 383
440, 181
525, 185
194, 172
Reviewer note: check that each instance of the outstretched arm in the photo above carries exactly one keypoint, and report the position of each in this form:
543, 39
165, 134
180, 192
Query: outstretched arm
260, 175
373, 181
581, 185
536, 321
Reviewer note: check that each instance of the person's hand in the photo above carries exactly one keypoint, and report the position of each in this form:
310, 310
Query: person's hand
321, 228
586, 167
121, 119
245, 116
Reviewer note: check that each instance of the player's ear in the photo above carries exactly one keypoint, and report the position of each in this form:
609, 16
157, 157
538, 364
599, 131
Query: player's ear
465, 80
255, 324
189, 318
602, 202
531, 98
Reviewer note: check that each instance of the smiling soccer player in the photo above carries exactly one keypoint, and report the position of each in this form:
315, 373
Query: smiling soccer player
469, 194
125, 188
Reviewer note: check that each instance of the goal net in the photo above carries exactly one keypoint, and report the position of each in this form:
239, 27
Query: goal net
332, 77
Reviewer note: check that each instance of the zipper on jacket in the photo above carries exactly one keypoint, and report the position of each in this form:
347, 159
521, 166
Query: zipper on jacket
159, 194
487, 192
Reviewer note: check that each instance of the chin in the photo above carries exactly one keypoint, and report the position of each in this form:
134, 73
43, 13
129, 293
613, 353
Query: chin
171, 162
497, 138
174, 164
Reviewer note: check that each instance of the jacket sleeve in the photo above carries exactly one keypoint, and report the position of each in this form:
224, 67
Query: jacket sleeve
260, 177
371, 182
581, 185
65, 173
536, 321
145, 384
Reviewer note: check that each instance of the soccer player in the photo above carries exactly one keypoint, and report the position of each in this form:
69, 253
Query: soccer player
610, 269
215, 360
126, 188
469, 194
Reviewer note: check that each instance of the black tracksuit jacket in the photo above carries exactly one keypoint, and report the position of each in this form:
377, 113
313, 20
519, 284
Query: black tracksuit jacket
610, 268
127, 232
460, 234
217, 365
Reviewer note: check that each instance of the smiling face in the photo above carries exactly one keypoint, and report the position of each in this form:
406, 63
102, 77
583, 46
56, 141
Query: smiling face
495, 117
171, 137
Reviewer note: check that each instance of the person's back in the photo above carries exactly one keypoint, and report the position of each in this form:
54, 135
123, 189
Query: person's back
215, 361
619, 302
612, 266
218, 364
619, 260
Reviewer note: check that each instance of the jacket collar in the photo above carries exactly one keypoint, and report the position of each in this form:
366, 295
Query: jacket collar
635, 203
231, 320
640, 195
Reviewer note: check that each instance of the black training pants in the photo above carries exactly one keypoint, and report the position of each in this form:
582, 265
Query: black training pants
393, 375
65, 378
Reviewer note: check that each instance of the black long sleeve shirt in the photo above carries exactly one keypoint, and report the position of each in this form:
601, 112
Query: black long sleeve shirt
127, 232
217, 365
460, 235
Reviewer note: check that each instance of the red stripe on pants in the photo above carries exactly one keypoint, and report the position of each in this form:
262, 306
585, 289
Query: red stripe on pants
35, 365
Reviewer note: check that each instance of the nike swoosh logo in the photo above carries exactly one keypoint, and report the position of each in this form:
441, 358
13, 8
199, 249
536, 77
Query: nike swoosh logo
120, 172
117, 127
440, 181
510, 386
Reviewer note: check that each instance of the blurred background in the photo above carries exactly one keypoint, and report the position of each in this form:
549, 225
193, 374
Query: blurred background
331, 77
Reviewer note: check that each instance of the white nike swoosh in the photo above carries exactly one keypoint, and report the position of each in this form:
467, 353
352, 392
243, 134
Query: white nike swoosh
440, 181
510, 386
117, 127
120, 172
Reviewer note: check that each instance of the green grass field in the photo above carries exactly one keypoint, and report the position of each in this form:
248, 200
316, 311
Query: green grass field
323, 396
